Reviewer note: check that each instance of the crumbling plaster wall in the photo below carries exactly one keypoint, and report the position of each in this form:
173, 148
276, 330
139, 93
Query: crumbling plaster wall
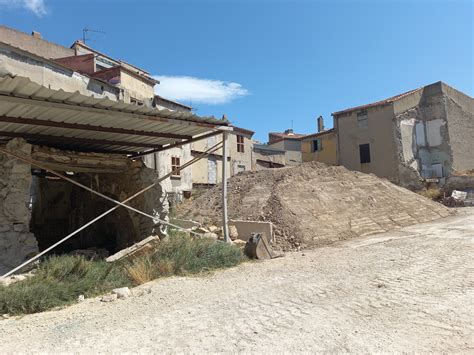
421, 132
16, 241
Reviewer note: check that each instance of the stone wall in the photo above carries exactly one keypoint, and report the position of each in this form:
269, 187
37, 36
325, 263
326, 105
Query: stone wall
16, 241
59, 207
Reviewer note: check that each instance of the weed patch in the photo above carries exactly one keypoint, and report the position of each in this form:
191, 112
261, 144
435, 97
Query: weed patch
59, 280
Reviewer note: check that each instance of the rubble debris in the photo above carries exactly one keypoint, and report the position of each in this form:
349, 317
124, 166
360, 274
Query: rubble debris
459, 195
109, 298
81, 298
314, 204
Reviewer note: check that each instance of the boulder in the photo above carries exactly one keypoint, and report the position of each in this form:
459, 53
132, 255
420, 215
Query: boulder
122, 292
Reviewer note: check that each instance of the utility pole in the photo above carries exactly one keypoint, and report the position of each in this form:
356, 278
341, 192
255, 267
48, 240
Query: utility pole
225, 221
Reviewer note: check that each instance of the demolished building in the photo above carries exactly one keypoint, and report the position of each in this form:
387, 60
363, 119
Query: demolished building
424, 135
70, 148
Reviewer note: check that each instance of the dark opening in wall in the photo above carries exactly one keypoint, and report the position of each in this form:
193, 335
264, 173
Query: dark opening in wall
364, 152
59, 208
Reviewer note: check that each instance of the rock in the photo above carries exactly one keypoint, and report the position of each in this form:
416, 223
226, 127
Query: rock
81, 298
5, 316
240, 243
211, 235
123, 292
109, 298
213, 229
233, 234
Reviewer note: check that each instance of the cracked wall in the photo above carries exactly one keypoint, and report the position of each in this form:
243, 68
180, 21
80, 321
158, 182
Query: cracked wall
434, 135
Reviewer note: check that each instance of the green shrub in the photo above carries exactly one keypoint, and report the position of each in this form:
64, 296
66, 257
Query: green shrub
59, 280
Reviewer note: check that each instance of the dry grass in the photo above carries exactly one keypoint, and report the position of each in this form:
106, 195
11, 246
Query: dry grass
433, 193
140, 271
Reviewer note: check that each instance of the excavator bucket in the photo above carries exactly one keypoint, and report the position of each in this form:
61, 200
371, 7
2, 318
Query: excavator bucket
258, 248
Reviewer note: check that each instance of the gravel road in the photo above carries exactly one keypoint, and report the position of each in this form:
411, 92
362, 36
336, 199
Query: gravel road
409, 290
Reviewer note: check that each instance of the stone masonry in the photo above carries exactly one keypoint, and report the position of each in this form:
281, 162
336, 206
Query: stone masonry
16, 242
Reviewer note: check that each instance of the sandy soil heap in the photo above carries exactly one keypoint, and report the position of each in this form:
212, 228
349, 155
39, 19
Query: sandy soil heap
314, 204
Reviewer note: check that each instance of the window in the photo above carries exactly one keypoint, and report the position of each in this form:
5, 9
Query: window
364, 151
99, 67
362, 120
135, 101
317, 145
175, 164
240, 143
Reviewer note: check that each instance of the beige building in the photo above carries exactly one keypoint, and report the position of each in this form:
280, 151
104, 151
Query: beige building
290, 142
208, 171
423, 134
321, 146
266, 157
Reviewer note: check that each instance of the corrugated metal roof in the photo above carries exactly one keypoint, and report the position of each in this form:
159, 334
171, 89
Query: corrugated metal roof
79, 122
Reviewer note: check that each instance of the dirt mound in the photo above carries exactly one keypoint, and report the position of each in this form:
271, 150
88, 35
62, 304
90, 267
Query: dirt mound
314, 204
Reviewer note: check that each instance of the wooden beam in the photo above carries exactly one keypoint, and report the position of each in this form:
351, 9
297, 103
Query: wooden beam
86, 127
46, 139
175, 145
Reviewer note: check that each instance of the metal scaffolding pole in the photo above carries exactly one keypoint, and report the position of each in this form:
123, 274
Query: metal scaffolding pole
225, 221
119, 204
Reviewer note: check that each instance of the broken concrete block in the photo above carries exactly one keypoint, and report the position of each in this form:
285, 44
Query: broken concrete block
140, 248
240, 243
122, 292
109, 298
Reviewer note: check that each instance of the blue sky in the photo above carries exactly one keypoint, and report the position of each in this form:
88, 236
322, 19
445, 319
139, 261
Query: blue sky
267, 63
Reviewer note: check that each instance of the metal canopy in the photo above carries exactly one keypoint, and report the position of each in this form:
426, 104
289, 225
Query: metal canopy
73, 121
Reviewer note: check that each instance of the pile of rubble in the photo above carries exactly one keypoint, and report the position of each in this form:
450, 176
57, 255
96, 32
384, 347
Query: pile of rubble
315, 204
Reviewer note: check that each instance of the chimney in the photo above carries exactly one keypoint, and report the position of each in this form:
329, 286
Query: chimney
289, 131
36, 34
320, 124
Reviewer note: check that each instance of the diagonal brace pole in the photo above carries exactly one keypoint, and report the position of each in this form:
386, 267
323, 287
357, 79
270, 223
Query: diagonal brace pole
204, 154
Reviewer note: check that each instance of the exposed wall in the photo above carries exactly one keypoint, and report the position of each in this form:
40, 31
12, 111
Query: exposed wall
33, 44
265, 159
59, 207
16, 241
378, 133
327, 154
422, 133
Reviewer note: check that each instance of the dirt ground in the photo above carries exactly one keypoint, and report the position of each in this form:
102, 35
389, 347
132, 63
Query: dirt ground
314, 204
410, 290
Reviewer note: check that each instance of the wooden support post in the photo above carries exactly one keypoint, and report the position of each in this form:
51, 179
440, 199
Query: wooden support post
225, 221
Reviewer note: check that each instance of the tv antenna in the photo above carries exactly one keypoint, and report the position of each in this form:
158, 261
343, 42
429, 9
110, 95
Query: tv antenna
85, 30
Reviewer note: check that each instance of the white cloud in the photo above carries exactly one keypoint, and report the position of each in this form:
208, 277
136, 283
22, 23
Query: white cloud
196, 90
36, 6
